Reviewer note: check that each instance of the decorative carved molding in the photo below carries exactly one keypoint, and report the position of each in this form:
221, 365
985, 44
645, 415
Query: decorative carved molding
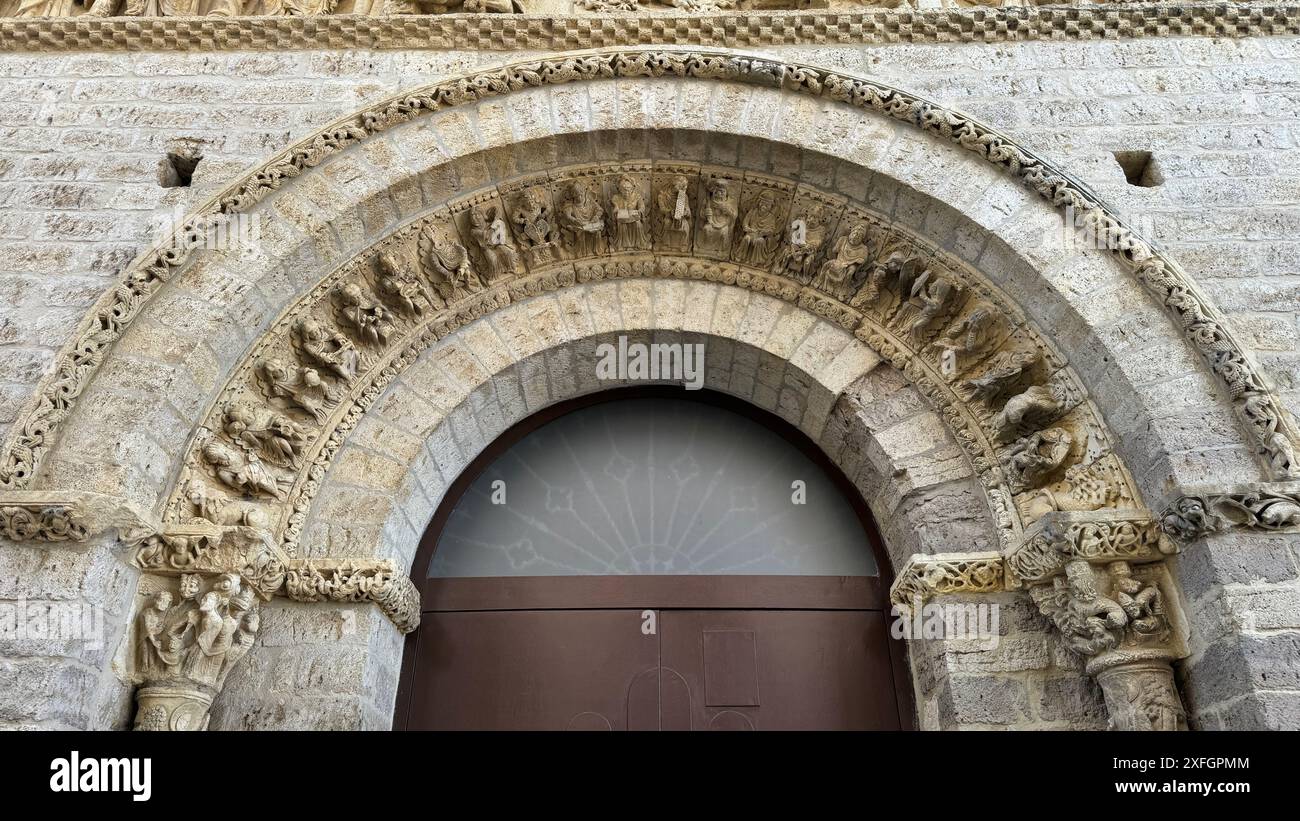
62, 517
352, 580
923, 577
757, 28
1261, 413
1100, 537
1273, 507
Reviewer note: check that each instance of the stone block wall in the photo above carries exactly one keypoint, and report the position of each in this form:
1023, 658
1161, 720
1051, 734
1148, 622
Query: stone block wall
96, 143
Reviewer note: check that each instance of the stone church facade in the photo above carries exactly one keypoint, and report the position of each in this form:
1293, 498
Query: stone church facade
1027, 275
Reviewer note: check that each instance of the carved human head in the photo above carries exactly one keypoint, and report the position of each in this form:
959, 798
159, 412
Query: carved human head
858, 233
162, 599
1081, 580
190, 585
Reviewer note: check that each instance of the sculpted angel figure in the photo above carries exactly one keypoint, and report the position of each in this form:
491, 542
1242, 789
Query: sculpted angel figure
804, 237
758, 231
717, 217
448, 266
490, 233
675, 215
848, 255
931, 297
583, 221
630, 232
328, 348
303, 387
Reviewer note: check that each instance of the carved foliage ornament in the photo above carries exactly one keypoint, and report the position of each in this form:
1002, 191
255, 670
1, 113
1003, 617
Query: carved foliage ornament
1274, 507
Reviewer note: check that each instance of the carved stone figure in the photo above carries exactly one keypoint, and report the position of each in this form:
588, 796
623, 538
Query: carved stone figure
328, 348
447, 265
272, 437
492, 236
399, 289
370, 321
758, 232
242, 471
848, 255
156, 653
968, 337
301, 387
929, 298
1141, 602
717, 218
804, 238
675, 216
1035, 457
1090, 622
582, 220
536, 227
1193, 516
1001, 373
879, 274
220, 510
630, 218
1085, 487
1035, 404
186, 650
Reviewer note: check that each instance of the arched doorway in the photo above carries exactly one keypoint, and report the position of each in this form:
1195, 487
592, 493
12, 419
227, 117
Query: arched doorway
653, 558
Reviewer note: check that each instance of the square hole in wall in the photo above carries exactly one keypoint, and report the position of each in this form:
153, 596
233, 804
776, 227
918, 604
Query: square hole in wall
176, 169
1140, 168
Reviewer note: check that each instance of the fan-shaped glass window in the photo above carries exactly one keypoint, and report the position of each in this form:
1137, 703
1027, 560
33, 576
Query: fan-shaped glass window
652, 486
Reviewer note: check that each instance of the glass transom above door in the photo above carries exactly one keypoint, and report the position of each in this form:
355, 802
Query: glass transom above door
654, 486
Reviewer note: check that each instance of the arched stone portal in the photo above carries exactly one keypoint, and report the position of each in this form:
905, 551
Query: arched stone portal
438, 266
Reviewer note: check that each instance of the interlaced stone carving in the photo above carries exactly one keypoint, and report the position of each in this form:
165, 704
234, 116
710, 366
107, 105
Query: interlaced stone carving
924, 577
1275, 507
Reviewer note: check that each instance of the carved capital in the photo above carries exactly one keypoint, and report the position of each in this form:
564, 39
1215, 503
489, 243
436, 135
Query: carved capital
205, 549
1274, 507
1142, 696
189, 635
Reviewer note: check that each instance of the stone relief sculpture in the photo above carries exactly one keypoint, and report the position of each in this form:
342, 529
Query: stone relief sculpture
675, 219
492, 237
849, 253
447, 265
1276, 508
186, 644
966, 338
359, 311
804, 237
717, 218
1035, 457
582, 221
243, 471
327, 348
271, 437
302, 387
629, 215
398, 288
1000, 375
535, 225
1035, 404
759, 231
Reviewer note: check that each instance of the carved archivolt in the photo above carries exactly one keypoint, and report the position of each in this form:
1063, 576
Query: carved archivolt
325, 359
1269, 507
1036, 442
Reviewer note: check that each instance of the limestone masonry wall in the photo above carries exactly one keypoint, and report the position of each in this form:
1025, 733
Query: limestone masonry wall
86, 184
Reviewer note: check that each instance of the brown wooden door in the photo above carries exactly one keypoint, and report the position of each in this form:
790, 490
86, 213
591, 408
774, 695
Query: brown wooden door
773, 653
